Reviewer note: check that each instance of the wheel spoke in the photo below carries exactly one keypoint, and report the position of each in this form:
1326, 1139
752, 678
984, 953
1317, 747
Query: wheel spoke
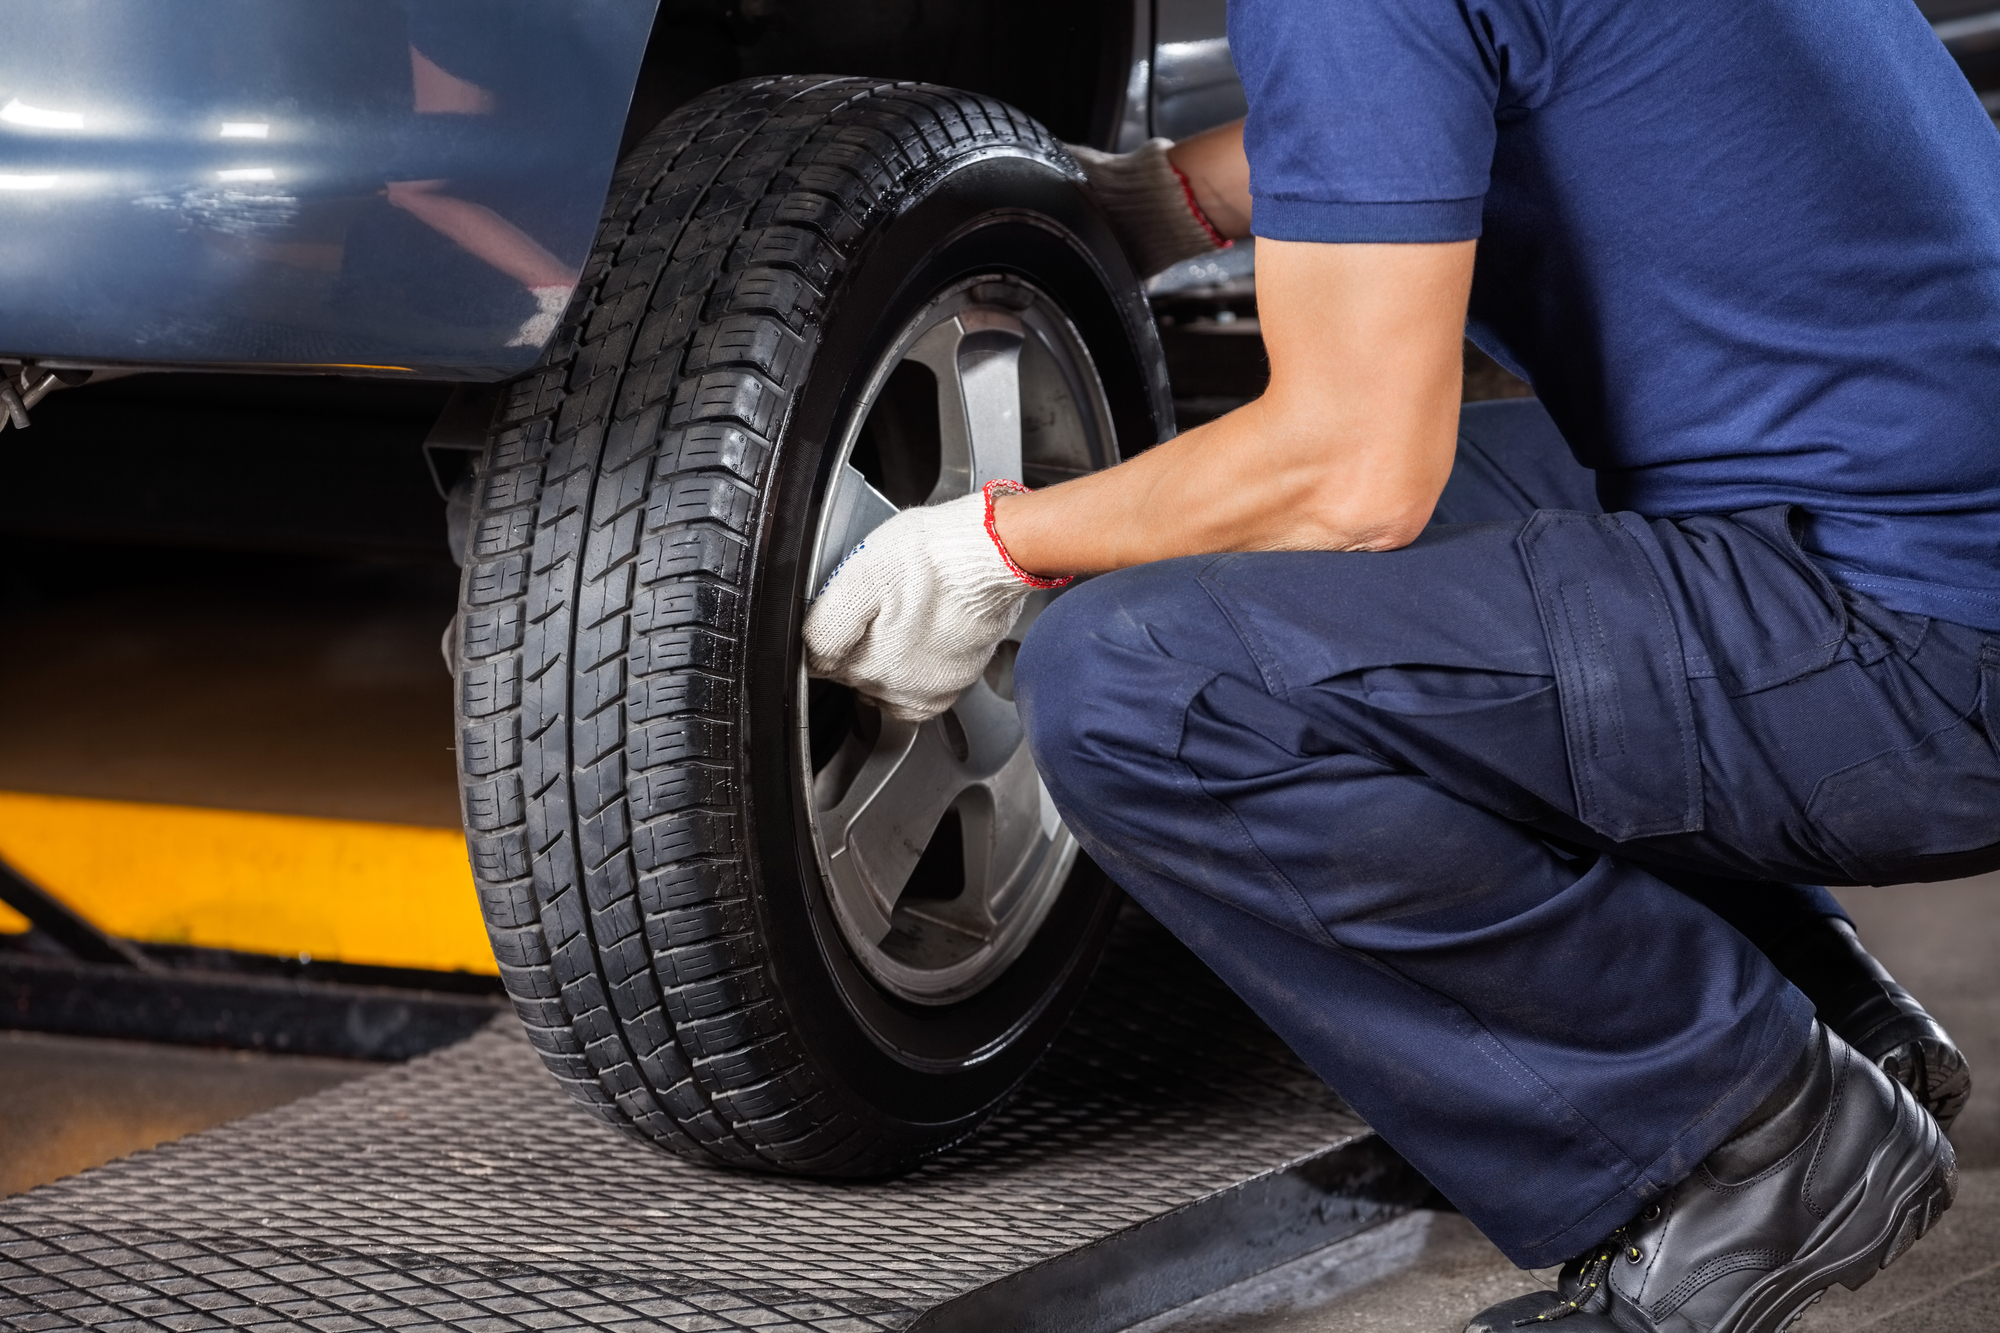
855, 510
989, 369
1020, 830
977, 360
879, 830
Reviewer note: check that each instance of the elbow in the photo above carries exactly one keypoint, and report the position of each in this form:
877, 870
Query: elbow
1392, 538
1346, 517
1390, 532
1362, 488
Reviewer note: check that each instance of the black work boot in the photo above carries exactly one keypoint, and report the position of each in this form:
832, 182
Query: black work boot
1860, 1001
1831, 1178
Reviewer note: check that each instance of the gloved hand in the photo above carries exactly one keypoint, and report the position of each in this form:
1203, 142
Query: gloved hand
912, 615
1150, 205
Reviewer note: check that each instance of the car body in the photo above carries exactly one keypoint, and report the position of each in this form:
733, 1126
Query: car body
217, 183
225, 183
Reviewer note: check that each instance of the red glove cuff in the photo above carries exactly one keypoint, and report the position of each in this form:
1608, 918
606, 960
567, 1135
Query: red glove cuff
1221, 242
993, 490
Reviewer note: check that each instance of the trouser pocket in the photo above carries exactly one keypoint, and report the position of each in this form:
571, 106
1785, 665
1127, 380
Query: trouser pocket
1621, 675
1926, 811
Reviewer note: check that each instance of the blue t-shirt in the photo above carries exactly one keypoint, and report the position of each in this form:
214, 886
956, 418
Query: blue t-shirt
1747, 251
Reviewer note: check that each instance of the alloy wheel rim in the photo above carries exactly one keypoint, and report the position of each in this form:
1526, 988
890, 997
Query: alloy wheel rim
939, 846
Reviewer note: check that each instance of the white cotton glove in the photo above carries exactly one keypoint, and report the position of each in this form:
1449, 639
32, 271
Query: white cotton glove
1150, 205
912, 615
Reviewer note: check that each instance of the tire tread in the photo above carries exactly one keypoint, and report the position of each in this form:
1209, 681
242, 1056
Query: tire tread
605, 607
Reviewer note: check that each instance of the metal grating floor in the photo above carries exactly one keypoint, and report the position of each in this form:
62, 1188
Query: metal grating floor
1168, 1146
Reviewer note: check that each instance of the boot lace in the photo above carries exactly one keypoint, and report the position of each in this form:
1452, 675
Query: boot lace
1596, 1269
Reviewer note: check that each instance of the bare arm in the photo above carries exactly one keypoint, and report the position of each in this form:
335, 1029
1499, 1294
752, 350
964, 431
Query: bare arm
1348, 448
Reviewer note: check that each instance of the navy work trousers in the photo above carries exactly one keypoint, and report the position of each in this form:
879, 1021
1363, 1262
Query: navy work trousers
1447, 816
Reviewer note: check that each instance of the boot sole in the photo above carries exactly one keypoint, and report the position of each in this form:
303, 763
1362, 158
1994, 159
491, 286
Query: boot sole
1935, 1072
1924, 1183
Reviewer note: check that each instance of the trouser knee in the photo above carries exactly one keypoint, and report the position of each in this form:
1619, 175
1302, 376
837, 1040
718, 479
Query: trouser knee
1106, 671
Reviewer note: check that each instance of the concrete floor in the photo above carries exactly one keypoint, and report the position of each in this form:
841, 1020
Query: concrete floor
70, 1103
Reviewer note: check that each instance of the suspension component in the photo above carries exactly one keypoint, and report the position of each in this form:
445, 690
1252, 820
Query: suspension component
24, 384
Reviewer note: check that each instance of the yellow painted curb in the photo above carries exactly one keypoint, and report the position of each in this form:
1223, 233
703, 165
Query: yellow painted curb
333, 889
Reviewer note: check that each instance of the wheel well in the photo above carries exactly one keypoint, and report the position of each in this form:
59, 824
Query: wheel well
1063, 62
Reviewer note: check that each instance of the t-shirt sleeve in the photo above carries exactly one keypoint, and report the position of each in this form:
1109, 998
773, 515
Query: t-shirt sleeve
1373, 120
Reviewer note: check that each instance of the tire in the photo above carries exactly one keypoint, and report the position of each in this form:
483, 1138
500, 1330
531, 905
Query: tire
653, 792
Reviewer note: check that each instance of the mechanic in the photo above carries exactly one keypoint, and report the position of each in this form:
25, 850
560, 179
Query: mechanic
1452, 765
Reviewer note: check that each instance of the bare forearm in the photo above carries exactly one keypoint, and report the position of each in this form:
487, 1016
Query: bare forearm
1347, 450
1226, 486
